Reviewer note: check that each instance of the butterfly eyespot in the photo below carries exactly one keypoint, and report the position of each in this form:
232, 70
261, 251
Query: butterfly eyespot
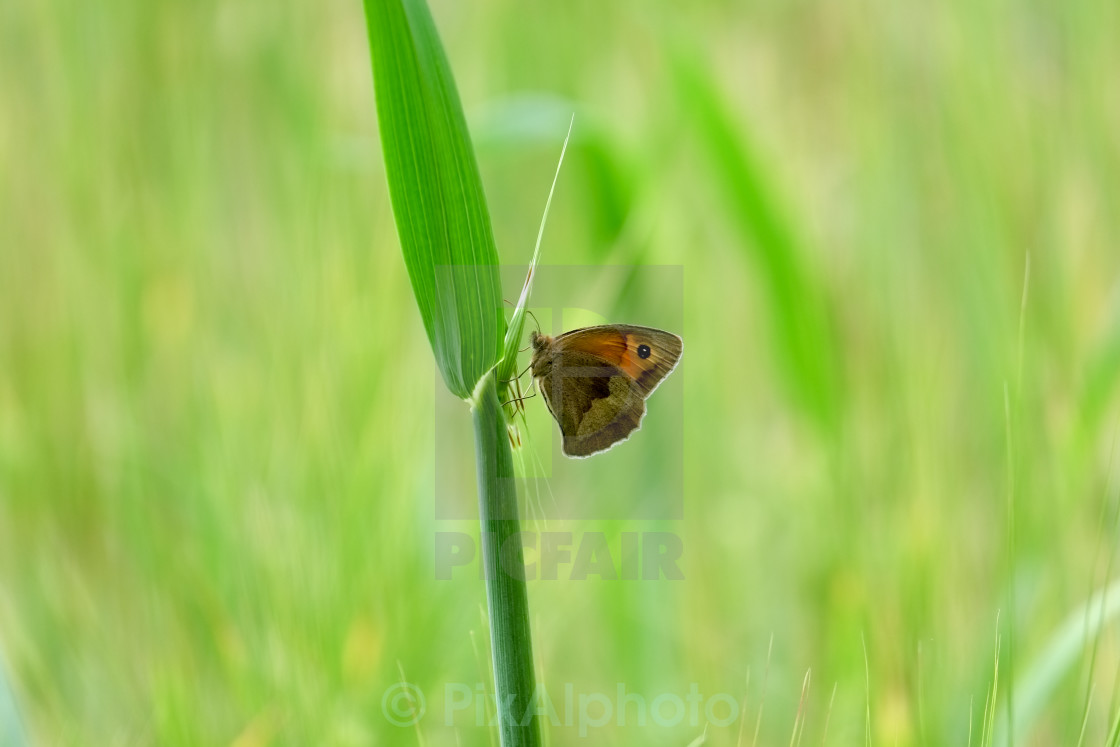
644, 351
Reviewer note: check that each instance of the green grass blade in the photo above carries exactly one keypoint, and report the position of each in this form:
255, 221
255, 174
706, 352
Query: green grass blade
12, 733
1114, 732
437, 194
1101, 379
449, 249
506, 369
506, 594
867, 701
1042, 678
805, 345
988, 734
700, 740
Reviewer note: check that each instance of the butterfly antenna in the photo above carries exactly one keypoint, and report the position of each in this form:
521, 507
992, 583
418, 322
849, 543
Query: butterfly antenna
521, 399
530, 313
518, 376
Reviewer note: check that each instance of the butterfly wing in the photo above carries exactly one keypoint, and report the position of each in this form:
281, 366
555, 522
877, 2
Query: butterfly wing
595, 403
645, 354
599, 379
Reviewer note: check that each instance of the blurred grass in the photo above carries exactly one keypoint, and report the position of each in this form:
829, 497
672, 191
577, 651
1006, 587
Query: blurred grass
216, 418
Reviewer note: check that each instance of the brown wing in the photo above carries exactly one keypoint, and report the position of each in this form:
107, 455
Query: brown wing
645, 354
595, 403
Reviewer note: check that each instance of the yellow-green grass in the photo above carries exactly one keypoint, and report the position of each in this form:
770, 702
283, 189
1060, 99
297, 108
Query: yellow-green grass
216, 396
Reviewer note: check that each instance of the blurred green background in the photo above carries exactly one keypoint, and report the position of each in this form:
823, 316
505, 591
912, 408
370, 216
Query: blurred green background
217, 400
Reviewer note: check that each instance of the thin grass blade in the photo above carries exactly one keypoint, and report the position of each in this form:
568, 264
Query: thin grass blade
507, 367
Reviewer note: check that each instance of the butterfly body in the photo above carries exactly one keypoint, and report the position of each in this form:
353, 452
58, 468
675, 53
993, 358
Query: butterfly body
595, 380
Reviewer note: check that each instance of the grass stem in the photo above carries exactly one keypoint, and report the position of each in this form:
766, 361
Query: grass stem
506, 594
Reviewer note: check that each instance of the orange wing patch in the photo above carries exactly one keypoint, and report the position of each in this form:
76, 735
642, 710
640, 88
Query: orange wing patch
617, 348
631, 362
604, 343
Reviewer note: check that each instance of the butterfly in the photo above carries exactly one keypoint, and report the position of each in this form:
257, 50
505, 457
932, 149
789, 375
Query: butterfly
595, 380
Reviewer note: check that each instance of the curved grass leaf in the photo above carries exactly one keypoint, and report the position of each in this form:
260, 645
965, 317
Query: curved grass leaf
1065, 645
806, 347
436, 190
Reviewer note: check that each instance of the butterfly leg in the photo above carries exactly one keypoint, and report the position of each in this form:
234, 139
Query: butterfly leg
521, 398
